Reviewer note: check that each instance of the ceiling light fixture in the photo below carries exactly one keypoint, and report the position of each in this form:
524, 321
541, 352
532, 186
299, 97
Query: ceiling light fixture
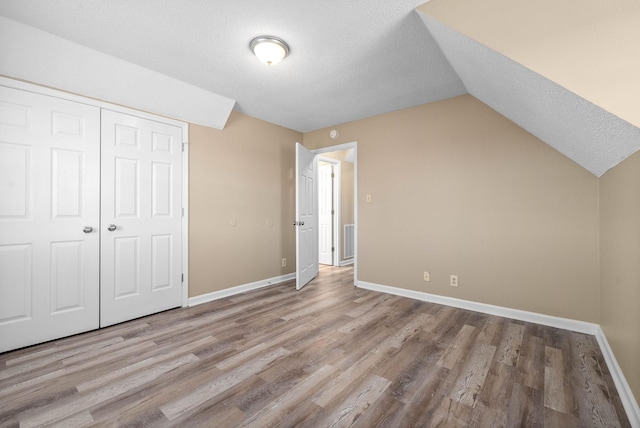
270, 50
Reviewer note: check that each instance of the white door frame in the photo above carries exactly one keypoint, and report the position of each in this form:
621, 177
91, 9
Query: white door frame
30, 87
346, 146
335, 183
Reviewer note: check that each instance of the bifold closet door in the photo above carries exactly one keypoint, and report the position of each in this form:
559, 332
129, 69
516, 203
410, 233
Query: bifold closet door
49, 214
141, 210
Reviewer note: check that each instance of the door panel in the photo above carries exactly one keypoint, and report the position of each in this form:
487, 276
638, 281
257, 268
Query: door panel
306, 217
66, 183
126, 190
161, 246
126, 263
15, 269
15, 170
161, 189
325, 214
66, 281
50, 184
141, 265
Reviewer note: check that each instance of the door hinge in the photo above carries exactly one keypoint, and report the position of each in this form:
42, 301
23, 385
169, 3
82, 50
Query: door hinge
333, 248
182, 211
333, 175
183, 144
182, 278
333, 212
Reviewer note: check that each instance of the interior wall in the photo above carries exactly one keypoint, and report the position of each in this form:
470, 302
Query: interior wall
241, 203
346, 191
620, 265
459, 189
589, 47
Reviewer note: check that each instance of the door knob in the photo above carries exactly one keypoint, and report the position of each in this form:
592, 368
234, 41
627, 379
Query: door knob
87, 229
111, 227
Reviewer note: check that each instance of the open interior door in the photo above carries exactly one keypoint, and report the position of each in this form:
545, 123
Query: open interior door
306, 223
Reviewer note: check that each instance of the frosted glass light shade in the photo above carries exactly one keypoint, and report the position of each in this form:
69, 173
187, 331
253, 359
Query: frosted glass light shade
270, 50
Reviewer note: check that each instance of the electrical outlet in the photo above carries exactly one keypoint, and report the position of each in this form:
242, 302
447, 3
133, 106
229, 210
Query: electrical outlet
427, 278
453, 280
284, 261
368, 198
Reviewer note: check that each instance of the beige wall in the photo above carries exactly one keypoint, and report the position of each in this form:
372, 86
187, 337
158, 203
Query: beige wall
459, 189
620, 265
588, 47
456, 188
242, 176
346, 192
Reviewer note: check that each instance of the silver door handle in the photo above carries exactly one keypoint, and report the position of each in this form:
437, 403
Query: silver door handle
111, 227
87, 229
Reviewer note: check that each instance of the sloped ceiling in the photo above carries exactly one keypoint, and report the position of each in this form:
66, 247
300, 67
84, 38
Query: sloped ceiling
349, 59
568, 71
590, 47
590, 136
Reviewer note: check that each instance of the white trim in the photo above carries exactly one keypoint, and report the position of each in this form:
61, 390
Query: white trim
337, 148
346, 262
185, 216
549, 320
624, 390
228, 292
336, 190
346, 146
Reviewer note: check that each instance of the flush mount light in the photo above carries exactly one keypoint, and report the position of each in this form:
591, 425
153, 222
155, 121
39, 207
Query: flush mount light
270, 50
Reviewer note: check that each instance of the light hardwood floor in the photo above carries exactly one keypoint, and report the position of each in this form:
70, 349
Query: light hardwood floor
329, 355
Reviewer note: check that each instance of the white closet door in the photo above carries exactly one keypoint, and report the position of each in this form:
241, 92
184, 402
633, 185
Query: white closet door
49, 213
141, 208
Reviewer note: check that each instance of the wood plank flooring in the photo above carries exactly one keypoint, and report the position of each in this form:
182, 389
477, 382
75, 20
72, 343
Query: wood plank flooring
331, 355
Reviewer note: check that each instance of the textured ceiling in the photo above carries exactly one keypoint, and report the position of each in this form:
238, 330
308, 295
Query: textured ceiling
349, 59
558, 69
590, 47
592, 137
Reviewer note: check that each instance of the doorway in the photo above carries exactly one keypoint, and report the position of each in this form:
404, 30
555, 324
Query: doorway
343, 157
328, 211
306, 223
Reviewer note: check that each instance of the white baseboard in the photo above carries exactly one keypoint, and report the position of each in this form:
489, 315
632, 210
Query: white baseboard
624, 391
345, 262
549, 320
227, 292
626, 395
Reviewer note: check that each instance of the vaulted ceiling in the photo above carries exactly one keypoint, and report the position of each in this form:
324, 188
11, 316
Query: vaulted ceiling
568, 71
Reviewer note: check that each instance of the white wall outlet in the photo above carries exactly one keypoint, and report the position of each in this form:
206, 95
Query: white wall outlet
427, 277
284, 261
453, 280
